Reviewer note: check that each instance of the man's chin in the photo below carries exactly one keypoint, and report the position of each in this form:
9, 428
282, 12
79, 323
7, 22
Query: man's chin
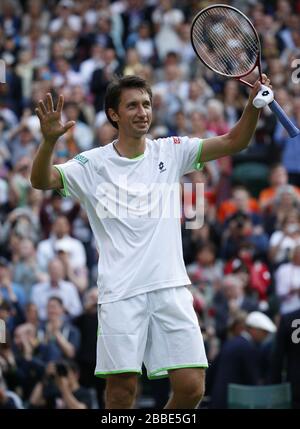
141, 132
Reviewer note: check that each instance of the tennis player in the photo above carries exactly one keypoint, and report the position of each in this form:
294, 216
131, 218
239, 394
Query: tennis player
145, 309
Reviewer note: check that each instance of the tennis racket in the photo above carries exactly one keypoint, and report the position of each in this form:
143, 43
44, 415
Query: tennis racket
225, 40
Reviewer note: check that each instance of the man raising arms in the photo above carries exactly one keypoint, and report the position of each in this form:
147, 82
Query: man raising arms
145, 309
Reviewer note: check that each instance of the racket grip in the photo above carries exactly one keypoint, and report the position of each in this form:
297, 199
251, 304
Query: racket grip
292, 130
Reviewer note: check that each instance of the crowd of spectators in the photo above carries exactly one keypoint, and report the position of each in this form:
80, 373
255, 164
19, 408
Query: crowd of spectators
245, 258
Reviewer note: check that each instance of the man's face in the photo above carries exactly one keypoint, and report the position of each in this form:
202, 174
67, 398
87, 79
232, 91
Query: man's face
134, 115
54, 310
61, 227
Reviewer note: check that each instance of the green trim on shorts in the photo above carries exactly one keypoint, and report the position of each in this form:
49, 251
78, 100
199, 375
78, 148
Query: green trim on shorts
197, 164
152, 375
104, 374
64, 191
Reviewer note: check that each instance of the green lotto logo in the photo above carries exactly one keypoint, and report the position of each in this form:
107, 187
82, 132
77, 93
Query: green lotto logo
2, 332
2, 72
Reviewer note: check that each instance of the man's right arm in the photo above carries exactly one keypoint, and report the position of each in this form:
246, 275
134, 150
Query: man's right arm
43, 174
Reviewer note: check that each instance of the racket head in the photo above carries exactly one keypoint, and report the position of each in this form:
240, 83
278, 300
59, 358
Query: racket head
225, 41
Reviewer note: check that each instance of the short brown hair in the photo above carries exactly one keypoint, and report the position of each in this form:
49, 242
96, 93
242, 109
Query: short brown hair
114, 91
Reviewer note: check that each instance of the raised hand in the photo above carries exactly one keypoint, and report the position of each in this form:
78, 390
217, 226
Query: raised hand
257, 86
50, 119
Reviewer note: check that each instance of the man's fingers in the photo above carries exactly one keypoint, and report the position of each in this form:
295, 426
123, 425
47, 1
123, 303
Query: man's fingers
69, 125
42, 107
60, 103
49, 103
39, 114
265, 79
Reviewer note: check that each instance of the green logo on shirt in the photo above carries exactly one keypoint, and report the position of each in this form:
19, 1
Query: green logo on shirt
80, 158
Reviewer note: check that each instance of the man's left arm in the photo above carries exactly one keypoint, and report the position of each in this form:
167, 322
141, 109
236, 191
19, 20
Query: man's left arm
240, 135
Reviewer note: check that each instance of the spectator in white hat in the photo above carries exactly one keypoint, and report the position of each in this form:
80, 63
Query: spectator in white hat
240, 358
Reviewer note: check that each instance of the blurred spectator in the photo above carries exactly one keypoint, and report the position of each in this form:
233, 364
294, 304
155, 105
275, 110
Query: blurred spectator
254, 271
287, 282
60, 231
87, 323
8, 400
82, 231
23, 142
241, 230
283, 241
216, 119
286, 355
239, 359
64, 76
53, 207
133, 62
207, 272
134, 13
167, 20
199, 93
29, 366
102, 75
286, 202
65, 17
56, 287
59, 338
60, 389
79, 138
241, 201
103, 35
32, 315
233, 101
9, 290
9, 17
278, 179
86, 110
77, 276
143, 44
88, 66
35, 14
25, 269
23, 223
230, 298
37, 43
104, 134
290, 151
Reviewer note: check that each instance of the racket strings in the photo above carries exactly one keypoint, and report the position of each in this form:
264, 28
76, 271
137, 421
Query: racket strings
226, 41
227, 61
225, 58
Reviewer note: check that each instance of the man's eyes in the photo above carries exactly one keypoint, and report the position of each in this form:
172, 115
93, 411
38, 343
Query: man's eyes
133, 106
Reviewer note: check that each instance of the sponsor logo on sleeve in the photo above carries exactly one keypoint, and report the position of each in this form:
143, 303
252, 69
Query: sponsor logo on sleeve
81, 159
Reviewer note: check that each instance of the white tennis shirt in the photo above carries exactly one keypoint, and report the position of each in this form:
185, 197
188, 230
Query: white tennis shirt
134, 209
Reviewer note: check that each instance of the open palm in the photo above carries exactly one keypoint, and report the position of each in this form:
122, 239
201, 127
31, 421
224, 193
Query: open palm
50, 119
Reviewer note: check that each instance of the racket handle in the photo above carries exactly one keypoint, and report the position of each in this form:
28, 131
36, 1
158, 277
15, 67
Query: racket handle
292, 130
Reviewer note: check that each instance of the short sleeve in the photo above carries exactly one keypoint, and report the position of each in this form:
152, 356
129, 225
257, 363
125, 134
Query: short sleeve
188, 153
75, 175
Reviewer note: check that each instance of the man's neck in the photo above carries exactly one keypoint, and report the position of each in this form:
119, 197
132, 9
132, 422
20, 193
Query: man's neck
130, 148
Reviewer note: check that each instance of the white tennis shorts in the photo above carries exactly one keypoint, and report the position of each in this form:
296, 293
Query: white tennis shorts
159, 328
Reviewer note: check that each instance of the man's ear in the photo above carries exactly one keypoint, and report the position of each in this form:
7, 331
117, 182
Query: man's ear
113, 115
